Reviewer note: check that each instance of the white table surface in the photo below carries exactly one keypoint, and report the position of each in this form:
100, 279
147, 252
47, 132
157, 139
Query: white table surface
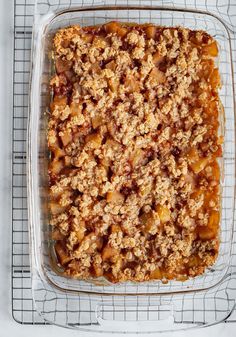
8, 327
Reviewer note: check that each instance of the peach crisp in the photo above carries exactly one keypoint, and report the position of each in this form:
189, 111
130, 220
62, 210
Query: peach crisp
134, 142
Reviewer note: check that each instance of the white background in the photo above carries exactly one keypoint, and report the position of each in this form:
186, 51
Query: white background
8, 327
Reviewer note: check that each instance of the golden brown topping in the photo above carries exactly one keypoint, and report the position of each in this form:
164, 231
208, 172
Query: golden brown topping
133, 135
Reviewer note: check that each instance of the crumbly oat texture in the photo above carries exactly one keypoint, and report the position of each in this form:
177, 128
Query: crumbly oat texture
133, 136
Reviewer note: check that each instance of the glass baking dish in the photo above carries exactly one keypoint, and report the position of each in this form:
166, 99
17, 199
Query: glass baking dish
43, 275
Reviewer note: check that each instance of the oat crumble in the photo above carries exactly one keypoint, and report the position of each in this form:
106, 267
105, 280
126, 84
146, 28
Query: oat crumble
133, 136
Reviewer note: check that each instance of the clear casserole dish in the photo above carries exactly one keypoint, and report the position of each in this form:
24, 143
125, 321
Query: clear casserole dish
43, 275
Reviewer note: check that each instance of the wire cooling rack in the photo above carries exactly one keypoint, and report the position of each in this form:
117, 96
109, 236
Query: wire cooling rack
22, 304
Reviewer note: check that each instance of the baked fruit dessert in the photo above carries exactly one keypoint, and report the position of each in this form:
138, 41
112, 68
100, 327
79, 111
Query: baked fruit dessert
133, 134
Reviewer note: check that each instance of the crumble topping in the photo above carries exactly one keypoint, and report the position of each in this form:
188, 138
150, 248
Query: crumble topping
133, 136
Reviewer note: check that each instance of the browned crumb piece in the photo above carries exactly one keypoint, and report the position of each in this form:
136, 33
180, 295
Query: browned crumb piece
133, 133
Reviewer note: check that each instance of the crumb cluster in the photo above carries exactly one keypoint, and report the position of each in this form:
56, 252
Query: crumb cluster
133, 136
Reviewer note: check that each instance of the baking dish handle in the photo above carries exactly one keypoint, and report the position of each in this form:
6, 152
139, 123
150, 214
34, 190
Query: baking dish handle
131, 318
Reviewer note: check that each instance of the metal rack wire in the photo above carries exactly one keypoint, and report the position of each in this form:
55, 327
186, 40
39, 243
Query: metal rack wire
22, 304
